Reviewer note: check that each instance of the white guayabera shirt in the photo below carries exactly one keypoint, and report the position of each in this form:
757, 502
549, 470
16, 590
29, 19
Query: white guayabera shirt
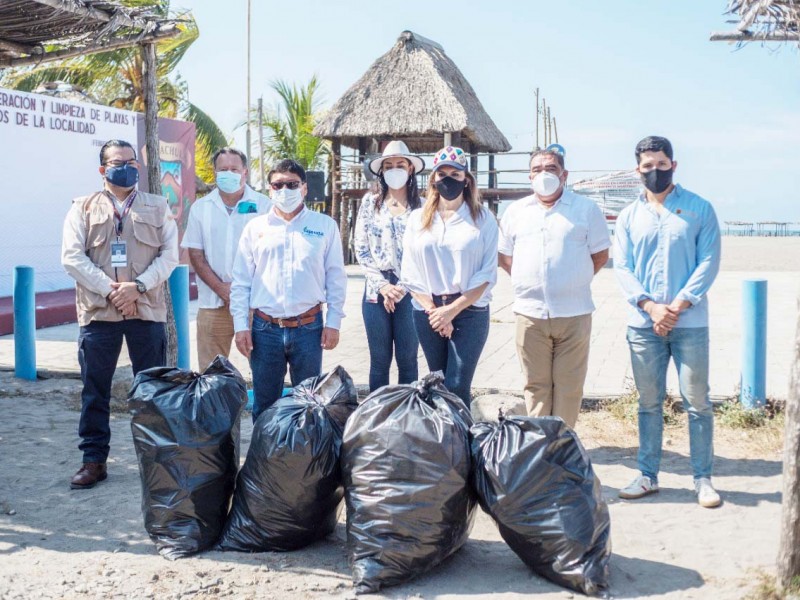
552, 249
216, 232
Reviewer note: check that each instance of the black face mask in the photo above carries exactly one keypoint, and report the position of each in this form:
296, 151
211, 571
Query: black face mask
450, 188
657, 181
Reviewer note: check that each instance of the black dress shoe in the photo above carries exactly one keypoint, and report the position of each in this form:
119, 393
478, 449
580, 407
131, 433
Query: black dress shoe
88, 476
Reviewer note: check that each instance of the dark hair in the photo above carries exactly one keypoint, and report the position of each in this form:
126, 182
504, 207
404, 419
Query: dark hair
115, 144
557, 155
654, 143
287, 165
229, 150
412, 190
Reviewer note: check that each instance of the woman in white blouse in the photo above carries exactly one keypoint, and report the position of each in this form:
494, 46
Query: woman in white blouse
450, 267
380, 225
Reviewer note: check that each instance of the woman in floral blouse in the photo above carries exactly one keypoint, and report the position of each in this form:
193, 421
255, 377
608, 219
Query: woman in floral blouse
379, 248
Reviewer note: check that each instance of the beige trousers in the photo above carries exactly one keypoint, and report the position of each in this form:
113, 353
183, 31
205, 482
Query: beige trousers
214, 334
554, 354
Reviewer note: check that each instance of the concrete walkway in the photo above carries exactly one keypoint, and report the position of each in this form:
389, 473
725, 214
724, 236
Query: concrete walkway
773, 259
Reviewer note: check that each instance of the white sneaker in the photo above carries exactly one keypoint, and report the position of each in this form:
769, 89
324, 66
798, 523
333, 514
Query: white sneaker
707, 496
641, 486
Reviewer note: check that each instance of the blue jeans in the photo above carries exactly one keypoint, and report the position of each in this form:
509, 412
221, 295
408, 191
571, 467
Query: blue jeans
275, 346
99, 345
650, 354
387, 334
458, 356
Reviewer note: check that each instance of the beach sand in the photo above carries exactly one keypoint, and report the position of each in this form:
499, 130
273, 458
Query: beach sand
58, 543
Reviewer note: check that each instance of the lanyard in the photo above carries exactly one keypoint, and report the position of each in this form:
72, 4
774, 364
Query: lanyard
126, 208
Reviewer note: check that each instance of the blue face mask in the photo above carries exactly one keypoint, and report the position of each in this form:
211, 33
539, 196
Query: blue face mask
124, 176
228, 181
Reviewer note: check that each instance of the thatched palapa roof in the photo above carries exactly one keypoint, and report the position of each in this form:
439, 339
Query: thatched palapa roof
35, 31
763, 20
416, 93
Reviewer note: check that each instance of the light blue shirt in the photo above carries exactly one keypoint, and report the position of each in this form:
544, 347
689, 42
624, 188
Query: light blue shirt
668, 256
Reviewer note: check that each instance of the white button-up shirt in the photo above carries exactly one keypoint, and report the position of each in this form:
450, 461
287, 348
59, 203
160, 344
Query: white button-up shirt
211, 229
285, 268
452, 256
552, 249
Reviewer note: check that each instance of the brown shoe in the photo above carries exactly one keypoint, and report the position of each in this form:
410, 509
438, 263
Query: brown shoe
88, 476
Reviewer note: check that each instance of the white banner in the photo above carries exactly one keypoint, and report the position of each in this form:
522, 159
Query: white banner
50, 155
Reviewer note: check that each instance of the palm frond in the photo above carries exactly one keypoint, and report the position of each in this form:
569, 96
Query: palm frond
208, 138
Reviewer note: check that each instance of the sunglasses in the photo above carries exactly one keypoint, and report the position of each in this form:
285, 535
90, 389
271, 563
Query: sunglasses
279, 185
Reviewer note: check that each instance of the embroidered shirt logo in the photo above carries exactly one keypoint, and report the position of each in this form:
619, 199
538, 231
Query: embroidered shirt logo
311, 232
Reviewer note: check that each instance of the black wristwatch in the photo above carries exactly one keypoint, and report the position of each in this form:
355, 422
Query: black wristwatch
140, 287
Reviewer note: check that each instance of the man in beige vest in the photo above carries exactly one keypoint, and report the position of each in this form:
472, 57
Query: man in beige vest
120, 245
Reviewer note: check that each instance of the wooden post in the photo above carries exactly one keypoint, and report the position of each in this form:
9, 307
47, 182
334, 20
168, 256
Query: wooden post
789, 550
150, 77
493, 172
473, 160
536, 146
336, 188
362, 156
261, 145
555, 129
150, 84
248, 141
544, 123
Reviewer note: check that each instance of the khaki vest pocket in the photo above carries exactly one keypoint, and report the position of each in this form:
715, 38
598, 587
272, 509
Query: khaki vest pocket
147, 228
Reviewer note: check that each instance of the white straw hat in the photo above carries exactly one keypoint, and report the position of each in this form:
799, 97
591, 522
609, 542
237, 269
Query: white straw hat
394, 149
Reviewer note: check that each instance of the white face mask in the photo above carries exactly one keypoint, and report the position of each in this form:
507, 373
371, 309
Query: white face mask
546, 184
287, 200
395, 178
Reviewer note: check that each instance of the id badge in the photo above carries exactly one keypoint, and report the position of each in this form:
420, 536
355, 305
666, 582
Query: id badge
119, 254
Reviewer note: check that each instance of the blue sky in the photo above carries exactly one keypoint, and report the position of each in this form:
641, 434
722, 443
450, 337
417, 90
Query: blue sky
613, 72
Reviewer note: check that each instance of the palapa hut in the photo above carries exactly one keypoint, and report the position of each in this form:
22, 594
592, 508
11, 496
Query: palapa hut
414, 93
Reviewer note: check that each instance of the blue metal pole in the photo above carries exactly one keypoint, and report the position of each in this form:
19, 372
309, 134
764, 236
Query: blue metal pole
754, 343
179, 289
24, 324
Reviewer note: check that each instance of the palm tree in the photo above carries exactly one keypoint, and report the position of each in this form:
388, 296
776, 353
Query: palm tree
289, 126
115, 78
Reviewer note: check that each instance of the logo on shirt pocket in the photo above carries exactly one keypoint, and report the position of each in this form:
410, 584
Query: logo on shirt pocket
312, 233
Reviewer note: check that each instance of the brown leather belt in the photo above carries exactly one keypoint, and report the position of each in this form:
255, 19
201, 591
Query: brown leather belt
290, 322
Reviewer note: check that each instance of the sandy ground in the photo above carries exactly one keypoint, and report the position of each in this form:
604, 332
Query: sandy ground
58, 543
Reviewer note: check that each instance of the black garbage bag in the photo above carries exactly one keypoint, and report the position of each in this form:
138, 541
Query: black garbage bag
533, 476
406, 465
186, 433
290, 487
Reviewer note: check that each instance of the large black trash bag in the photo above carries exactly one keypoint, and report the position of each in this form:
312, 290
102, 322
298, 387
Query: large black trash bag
290, 487
533, 476
406, 464
186, 433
